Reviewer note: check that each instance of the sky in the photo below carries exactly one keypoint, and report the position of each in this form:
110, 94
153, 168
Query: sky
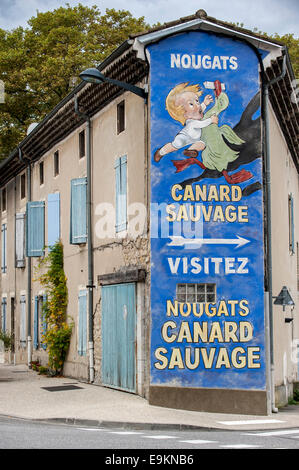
270, 16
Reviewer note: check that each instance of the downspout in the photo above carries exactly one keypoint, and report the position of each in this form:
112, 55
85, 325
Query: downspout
266, 87
29, 272
90, 285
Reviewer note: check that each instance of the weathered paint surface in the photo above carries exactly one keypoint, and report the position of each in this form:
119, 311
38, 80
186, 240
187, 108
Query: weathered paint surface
118, 336
207, 270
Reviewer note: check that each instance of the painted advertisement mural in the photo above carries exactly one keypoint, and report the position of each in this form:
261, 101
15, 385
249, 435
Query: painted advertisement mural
207, 264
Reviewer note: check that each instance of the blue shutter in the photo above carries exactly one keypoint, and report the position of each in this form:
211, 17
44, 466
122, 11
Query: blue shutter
35, 228
23, 322
44, 321
82, 337
53, 219
78, 229
121, 193
4, 304
3, 248
292, 232
35, 323
20, 240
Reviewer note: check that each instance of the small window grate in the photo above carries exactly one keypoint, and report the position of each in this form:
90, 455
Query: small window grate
196, 293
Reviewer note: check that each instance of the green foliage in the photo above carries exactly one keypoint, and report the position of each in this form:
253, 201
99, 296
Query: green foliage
58, 335
40, 64
296, 395
7, 340
288, 40
292, 44
42, 370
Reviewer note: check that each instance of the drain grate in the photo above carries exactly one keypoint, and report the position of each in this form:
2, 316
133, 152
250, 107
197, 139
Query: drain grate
61, 388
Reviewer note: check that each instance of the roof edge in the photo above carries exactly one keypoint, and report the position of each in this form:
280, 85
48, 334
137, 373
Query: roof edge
142, 40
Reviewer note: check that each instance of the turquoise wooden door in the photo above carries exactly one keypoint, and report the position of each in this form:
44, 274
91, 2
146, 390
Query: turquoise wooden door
119, 336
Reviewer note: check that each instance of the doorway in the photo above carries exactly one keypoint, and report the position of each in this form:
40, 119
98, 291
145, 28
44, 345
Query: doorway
119, 336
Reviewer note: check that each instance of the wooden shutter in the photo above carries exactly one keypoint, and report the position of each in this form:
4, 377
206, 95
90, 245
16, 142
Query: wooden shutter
4, 248
121, 193
53, 219
23, 322
82, 337
291, 225
20, 240
35, 323
43, 319
78, 222
35, 228
4, 307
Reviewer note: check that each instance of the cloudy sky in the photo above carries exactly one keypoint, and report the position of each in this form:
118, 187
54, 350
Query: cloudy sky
267, 15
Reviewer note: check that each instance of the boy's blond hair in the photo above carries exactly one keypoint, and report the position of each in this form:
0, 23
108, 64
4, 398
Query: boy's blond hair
175, 111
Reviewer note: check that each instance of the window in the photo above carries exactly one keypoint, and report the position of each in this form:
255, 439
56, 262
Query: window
35, 228
196, 293
78, 220
82, 144
53, 218
20, 240
120, 117
56, 163
82, 324
3, 199
291, 224
4, 248
23, 186
41, 173
3, 314
121, 193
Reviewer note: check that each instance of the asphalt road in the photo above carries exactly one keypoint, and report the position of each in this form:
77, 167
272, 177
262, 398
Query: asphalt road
26, 434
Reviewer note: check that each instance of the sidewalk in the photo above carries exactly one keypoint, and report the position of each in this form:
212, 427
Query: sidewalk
22, 395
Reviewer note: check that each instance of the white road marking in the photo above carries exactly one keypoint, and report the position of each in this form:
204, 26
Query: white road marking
125, 433
91, 429
250, 421
281, 432
199, 441
160, 437
239, 446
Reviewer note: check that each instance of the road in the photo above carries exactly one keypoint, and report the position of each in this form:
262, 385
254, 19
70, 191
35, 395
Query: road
26, 434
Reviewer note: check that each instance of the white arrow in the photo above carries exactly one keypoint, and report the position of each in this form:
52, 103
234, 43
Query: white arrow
181, 241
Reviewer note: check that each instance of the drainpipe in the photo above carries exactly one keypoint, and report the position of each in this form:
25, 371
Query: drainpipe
29, 272
90, 285
266, 87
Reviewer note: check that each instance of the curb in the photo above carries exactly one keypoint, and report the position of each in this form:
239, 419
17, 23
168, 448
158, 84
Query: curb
115, 424
81, 422
127, 425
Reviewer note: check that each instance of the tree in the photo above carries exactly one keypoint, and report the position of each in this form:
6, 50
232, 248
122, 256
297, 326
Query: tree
40, 64
288, 40
292, 44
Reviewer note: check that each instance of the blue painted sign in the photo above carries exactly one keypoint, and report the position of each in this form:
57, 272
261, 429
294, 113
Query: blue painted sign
207, 271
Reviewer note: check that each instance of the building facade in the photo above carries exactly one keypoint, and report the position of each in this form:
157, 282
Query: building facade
93, 175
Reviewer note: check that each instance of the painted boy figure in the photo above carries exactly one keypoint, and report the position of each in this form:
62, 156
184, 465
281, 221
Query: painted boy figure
200, 134
183, 105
